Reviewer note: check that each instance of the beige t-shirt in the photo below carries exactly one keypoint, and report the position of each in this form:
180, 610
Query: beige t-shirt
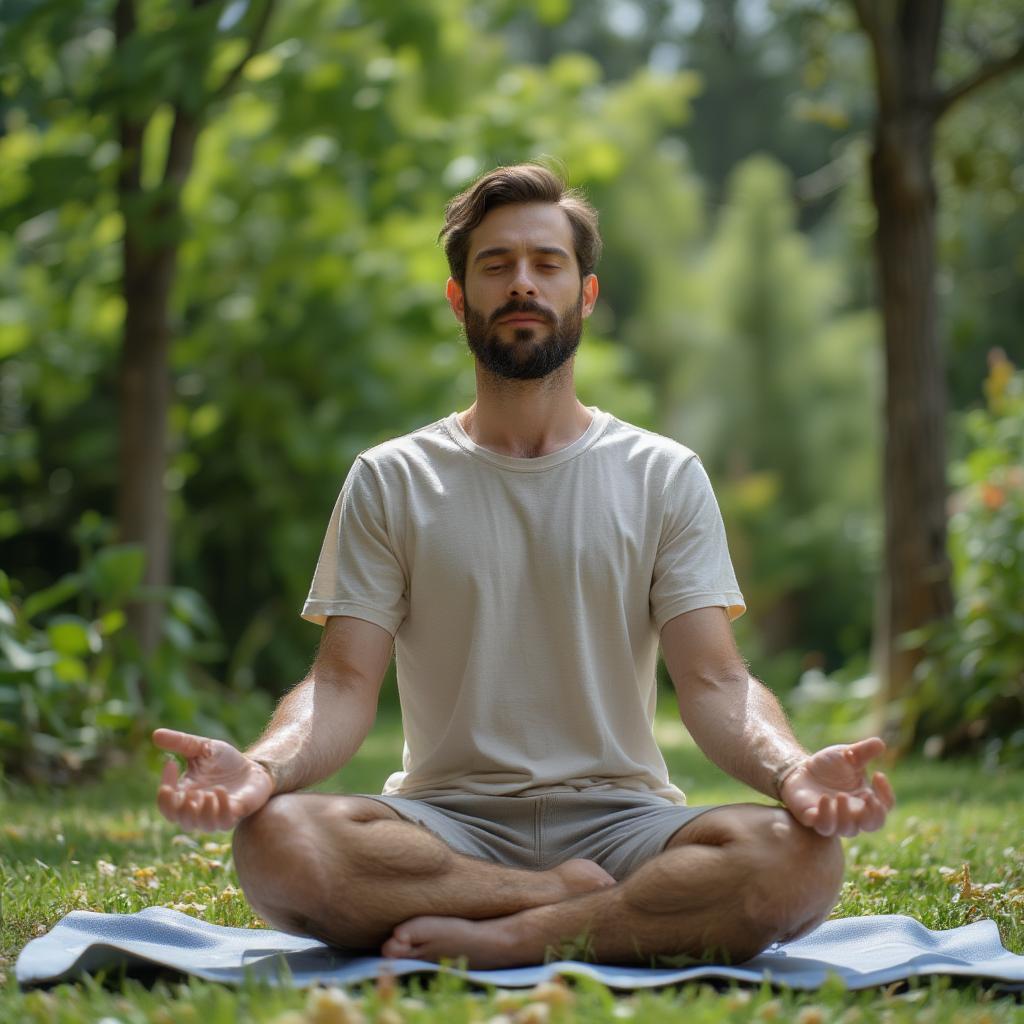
526, 598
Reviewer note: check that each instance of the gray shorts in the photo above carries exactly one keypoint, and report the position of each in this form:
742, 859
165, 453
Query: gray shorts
618, 829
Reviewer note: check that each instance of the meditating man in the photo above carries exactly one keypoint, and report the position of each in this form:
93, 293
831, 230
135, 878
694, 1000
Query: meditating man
525, 557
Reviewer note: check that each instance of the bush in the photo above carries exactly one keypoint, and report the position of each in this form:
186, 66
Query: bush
75, 689
971, 684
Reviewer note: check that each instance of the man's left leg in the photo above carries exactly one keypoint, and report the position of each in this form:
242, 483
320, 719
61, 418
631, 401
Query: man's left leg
729, 884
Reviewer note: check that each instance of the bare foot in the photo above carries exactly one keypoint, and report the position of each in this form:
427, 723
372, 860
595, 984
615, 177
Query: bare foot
496, 942
484, 944
580, 876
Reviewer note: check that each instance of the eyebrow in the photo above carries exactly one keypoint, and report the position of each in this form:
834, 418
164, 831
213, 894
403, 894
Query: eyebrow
501, 250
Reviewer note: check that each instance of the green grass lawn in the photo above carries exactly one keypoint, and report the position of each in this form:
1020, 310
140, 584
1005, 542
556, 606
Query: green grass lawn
951, 853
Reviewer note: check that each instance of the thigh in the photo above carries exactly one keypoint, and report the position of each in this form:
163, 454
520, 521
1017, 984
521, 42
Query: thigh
729, 823
499, 830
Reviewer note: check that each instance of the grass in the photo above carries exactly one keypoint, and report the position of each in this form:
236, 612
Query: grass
951, 853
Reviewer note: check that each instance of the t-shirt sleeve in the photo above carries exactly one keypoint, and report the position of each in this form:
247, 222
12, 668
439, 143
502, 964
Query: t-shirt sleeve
359, 573
692, 568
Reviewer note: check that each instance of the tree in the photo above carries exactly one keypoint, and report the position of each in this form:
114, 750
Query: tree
916, 588
156, 82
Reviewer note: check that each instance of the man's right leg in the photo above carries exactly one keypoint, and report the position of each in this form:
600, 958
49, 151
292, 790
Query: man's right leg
347, 870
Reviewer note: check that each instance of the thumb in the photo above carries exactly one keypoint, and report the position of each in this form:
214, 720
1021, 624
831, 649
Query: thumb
183, 743
866, 750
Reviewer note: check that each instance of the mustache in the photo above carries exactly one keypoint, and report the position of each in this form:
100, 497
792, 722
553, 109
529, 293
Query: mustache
527, 306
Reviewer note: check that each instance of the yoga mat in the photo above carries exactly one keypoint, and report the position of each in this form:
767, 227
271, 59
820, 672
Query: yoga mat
862, 951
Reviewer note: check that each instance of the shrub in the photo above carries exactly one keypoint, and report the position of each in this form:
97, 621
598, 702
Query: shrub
971, 684
75, 689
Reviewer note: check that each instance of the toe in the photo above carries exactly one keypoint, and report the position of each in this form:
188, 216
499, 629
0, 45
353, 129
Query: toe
395, 949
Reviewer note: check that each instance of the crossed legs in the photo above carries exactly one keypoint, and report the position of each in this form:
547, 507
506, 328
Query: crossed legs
351, 872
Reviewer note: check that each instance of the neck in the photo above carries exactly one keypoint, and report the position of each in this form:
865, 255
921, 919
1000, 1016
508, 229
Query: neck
526, 418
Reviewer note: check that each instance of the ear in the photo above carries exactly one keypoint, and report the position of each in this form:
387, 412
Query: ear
590, 290
456, 299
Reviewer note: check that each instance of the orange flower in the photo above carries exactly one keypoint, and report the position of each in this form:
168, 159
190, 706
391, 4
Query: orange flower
992, 497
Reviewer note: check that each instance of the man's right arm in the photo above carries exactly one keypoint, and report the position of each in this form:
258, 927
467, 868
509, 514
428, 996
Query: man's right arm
320, 724
316, 729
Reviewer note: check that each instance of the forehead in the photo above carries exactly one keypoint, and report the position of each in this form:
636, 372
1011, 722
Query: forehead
523, 226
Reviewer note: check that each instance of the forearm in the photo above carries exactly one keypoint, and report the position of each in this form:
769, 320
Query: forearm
741, 727
317, 728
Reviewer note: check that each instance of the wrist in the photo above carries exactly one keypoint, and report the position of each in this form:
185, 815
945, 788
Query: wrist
272, 769
784, 771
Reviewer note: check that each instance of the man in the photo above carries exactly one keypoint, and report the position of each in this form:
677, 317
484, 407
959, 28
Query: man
526, 556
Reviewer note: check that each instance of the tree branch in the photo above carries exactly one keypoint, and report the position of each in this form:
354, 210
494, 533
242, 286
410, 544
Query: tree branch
186, 126
254, 44
181, 147
981, 76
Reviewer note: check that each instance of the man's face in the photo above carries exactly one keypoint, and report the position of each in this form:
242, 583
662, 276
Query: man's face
523, 303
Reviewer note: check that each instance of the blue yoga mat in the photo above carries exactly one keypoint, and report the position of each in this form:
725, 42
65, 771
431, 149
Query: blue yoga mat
862, 951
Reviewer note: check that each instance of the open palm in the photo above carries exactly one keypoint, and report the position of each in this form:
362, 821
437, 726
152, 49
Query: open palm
220, 785
829, 792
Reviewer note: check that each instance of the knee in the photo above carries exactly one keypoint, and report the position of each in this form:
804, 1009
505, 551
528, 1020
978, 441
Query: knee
270, 856
261, 838
798, 876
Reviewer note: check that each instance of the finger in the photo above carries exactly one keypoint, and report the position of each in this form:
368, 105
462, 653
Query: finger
856, 810
169, 799
184, 743
225, 815
169, 775
220, 798
858, 754
884, 790
873, 817
205, 810
869, 749
211, 812
826, 818
844, 816
188, 813
166, 802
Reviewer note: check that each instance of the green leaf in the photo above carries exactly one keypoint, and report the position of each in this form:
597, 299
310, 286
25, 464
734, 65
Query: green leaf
71, 670
111, 623
116, 571
43, 600
69, 636
115, 714
190, 607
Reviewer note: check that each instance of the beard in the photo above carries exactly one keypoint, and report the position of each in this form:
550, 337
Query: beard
530, 354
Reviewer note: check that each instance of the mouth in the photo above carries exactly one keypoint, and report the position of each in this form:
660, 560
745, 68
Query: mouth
521, 320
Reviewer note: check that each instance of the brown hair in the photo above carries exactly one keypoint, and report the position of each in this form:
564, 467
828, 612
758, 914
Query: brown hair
506, 186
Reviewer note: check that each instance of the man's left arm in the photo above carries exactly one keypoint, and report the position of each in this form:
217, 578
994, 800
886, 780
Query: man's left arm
741, 727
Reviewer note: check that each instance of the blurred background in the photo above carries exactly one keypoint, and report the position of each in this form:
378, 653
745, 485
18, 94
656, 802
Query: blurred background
219, 282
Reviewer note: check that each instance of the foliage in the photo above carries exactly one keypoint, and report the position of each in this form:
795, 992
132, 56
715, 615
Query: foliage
70, 673
308, 311
971, 687
778, 394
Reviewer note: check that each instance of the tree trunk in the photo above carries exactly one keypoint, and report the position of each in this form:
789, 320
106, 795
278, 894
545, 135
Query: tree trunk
916, 589
150, 251
143, 386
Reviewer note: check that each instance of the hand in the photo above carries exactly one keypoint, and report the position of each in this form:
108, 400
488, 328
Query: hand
829, 792
220, 785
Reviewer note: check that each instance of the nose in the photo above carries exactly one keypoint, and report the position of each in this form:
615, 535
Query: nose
521, 283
